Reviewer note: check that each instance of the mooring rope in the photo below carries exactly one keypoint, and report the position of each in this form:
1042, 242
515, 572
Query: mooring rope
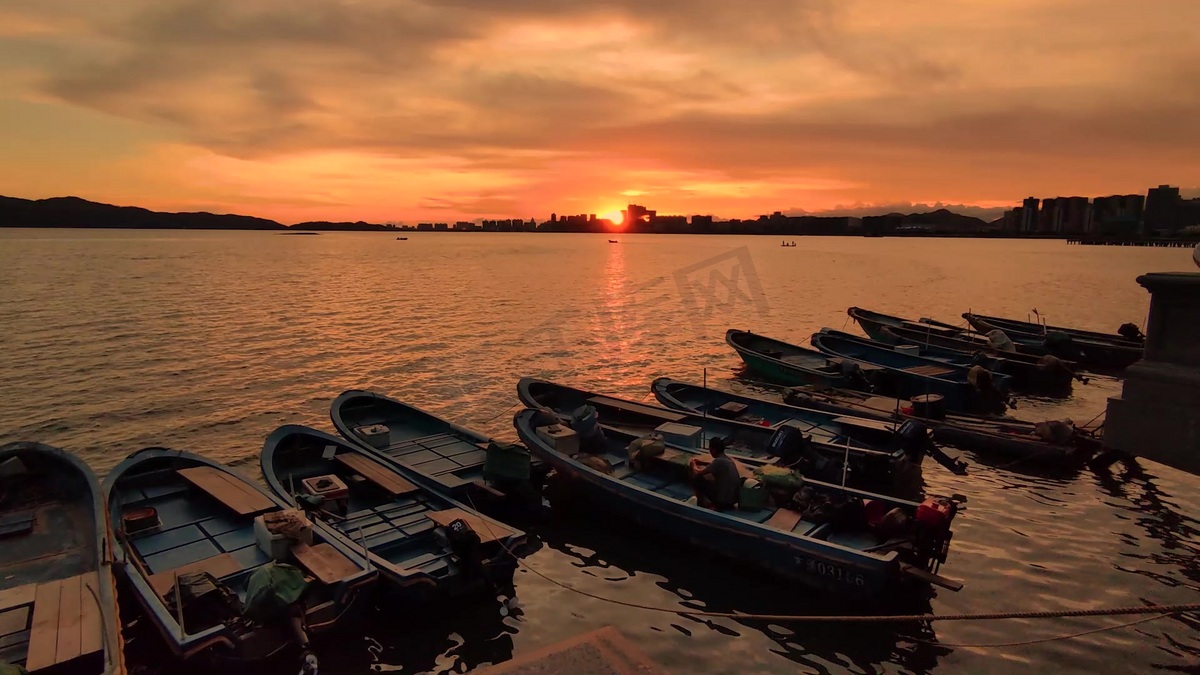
1159, 611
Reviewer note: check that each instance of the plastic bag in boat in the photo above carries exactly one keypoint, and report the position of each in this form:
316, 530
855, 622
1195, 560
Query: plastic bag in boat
779, 477
12, 669
1000, 342
272, 590
598, 463
650, 445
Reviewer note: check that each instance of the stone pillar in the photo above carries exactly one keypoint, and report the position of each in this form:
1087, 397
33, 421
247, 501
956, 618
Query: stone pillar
1157, 415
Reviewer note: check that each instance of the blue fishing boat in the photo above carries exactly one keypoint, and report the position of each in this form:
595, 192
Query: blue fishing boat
788, 364
855, 555
906, 375
422, 542
190, 536
1046, 374
465, 463
986, 436
1092, 350
892, 468
58, 600
835, 428
873, 323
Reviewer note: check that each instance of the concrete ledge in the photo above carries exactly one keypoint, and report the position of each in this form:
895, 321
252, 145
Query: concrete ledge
600, 652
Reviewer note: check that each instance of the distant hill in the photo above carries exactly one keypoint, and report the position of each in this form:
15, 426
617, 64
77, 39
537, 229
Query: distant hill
944, 221
76, 212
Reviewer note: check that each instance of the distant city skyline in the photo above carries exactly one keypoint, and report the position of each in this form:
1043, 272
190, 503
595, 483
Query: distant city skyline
413, 111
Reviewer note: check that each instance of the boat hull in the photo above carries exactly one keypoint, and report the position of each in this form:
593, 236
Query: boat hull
827, 569
1091, 354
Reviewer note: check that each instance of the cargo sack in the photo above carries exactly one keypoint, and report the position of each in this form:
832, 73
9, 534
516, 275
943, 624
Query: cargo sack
779, 478
598, 463
752, 496
650, 445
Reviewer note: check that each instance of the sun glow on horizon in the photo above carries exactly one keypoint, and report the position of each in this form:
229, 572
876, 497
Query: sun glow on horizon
616, 216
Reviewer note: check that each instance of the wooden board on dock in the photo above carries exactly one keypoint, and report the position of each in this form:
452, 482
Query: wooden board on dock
377, 473
227, 489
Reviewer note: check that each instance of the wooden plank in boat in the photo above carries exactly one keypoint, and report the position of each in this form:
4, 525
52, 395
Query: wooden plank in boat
91, 627
14, 597
864, 423
325, 562
629, 406
70, 616
229, 490
929, 370
784, 519
43, 633
218, 566
487, 530
378, 474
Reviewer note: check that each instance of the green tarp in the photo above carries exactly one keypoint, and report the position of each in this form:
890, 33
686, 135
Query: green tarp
272, 590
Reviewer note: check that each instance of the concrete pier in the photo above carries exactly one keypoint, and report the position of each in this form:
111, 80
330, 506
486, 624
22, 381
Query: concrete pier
600, 652
1157, 415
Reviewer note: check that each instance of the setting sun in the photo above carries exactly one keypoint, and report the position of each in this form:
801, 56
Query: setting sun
616, 216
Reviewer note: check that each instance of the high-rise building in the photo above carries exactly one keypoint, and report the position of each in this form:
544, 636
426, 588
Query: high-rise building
1029, 215
1116, 214
1163, 209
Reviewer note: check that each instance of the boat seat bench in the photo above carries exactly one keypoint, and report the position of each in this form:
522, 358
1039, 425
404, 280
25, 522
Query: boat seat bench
636, 408
66, 623
380, 475
227, 489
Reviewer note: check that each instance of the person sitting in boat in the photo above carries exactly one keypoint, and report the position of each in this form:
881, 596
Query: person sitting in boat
717, 483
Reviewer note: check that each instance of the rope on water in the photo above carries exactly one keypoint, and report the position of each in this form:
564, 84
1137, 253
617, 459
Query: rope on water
1159, 611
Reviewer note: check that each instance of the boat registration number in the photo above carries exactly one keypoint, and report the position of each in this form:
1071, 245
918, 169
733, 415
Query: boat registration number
836, 572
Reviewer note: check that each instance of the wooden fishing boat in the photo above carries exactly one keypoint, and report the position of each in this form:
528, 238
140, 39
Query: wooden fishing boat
832, 427
398, 516
465, 463
982, 434
58, 601
850, 558
176, 514
906, 376
788, 364
873, 323
890, 469
1097, 351
1043, 374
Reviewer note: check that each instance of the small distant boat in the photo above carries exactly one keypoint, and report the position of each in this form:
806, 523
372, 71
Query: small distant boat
852, 557
180, 516
906, 375
454, 456
58, 603
1090, 349
398, 516
401, 238
612, 241
879, 461
784, 363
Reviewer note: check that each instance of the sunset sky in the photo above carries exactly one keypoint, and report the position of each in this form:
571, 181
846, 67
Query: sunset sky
409, 110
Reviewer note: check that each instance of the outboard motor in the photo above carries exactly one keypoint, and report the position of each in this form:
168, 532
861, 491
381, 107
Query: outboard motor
791, 446
914, 438
464, 543
586, 423
1130, 331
